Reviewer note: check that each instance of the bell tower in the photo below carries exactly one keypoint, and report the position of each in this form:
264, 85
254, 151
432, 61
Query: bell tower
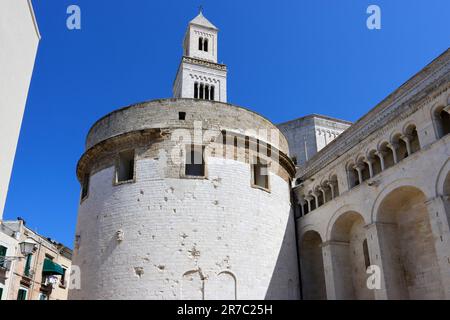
199, 75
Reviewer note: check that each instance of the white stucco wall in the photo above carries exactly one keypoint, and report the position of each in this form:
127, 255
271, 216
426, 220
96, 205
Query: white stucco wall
174, 227
19, 38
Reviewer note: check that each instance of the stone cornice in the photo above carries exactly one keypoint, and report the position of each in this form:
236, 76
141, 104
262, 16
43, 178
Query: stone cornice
205, 63
408, 98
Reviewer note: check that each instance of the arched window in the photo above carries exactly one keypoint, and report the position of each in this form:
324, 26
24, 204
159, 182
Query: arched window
196, 90
402, 149
211, 94
313, 203
335, 185
376, 162
206, 92
442, 119
200, 44
388, 155
353, 178
364, 167
328, 192
413, 137
202, 91
305, 208
205, 45
320, 198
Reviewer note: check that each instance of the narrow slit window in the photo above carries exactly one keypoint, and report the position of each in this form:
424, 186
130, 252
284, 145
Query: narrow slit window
211, 94
202, 91
195, 162
261, 175
196, 90
85, 186
125, 168
205, 45
366, 254
206, 92
200, 44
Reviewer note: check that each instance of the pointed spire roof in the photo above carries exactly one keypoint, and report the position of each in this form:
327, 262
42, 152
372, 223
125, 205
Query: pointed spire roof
200, 20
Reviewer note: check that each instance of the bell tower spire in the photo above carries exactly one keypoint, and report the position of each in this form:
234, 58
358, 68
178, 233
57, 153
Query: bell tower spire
199, 75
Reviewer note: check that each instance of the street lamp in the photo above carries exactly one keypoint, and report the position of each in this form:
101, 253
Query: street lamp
27, 247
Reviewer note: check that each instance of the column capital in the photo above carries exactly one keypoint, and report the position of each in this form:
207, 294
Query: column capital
380, 153
393, 145
406, 137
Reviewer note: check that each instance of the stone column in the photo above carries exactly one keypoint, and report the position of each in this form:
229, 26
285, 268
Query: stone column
369, 163
359, 169
441, 232
331, 186
308, 199
380, 155
407, 138
324, 195
338, 273
393, 146
316, 199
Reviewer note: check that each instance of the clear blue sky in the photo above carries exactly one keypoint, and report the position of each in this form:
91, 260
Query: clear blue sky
286, 59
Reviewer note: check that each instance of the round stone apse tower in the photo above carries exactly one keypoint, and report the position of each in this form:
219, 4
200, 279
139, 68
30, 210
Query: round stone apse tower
186, 198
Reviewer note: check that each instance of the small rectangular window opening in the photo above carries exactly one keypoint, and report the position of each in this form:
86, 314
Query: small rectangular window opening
125, 169
195, 162
182, 115
261, 175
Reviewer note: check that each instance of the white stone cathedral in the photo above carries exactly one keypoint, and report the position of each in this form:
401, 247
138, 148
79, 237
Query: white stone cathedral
196, 198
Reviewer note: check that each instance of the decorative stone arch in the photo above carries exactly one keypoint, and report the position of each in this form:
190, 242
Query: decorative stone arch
312, 266
351, 174
362, 167
442, 179
401, 149
440, 129
338, 213
192, 285
311, 227
388, 157
408, 124
229, 284
346, 251
406, 245
402, 182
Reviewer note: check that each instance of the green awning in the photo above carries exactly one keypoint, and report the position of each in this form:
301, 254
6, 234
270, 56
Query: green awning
52, 268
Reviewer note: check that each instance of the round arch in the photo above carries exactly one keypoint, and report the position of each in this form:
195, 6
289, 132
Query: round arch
407, 248
404, 182
312, 266
442, 179
342, 210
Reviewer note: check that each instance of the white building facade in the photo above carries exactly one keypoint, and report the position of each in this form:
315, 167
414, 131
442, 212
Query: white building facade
375, 201
19, 38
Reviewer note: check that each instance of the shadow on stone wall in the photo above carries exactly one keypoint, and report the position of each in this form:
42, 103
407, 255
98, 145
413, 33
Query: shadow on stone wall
285, 283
